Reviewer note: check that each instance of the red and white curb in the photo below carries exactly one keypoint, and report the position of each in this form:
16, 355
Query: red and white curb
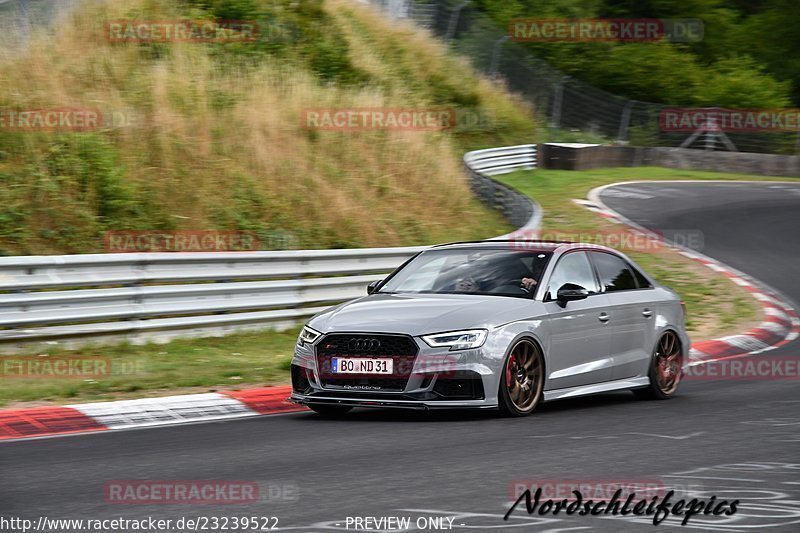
149, 412
780, 327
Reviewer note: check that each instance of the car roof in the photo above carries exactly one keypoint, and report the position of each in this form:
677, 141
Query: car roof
524, 245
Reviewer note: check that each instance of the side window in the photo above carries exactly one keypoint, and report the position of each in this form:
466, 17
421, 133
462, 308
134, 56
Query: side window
615, 274
640, 279
574, 268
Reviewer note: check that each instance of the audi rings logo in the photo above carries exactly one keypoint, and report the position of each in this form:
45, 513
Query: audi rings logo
363, 345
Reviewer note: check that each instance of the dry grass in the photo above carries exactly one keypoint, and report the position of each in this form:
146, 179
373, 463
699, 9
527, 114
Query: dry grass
221, 146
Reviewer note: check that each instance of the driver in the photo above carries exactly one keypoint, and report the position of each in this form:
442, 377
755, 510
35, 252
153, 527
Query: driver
498, 270
513, 268
469, 285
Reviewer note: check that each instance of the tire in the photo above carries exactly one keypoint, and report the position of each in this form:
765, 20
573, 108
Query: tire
330, 411
524, 370
666, 369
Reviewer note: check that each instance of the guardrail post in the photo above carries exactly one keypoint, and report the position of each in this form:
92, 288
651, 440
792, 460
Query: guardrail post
451, 25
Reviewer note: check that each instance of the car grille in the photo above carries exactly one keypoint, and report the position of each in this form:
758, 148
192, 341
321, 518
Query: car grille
401, 348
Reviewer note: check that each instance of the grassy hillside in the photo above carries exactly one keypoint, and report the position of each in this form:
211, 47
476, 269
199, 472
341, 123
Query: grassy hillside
209, 136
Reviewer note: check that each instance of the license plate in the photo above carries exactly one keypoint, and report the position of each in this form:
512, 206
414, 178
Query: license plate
361, 365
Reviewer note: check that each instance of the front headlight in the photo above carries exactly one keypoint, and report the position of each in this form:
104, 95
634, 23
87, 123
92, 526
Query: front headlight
307, 336
457, 340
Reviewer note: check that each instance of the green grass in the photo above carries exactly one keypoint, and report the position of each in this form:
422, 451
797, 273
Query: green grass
195, 365
715, 305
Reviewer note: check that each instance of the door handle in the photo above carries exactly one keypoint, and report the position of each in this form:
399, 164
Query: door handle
647, 313
604, 317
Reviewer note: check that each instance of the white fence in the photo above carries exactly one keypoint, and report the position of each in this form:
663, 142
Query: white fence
158, 296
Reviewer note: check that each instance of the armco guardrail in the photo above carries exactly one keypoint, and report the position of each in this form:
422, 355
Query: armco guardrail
162, 295
517, 208
158, 296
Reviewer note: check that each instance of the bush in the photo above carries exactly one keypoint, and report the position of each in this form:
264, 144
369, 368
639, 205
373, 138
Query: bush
747, 57
289, 29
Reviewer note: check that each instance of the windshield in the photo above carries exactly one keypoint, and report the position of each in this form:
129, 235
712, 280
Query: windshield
499, 272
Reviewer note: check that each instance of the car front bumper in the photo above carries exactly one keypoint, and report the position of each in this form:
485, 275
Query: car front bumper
323, 398
438, 379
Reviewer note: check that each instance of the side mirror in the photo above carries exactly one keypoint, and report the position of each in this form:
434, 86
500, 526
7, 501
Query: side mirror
372, 286
570, 292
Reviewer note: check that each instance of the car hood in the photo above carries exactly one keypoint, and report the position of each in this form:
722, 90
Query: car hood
419, 314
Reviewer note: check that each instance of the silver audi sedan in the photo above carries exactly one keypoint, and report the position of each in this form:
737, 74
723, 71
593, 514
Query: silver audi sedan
497, 325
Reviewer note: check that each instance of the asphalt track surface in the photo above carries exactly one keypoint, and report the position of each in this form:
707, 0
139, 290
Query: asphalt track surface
733, 439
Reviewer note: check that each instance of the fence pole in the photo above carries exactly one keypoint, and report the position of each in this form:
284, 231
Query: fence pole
558, 97
451, 26
624, 123
496, 49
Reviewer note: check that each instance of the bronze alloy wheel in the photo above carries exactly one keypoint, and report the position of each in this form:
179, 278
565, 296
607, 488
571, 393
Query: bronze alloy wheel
523, 378
666, 369
668, 361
